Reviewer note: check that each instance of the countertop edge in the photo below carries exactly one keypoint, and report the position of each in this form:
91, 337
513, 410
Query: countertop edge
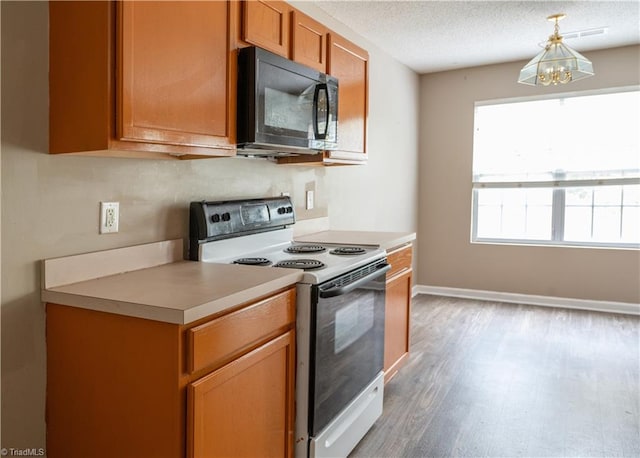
409, 238
135, 310
167, 314
247, 295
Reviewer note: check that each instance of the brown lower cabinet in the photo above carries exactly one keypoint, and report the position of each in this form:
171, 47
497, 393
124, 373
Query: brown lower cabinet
131, 387
397, 311
247, 398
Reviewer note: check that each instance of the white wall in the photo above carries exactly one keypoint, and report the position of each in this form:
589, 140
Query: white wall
446, 258
50, 203
386, 198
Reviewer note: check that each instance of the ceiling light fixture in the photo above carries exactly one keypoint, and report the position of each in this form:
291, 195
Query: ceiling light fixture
557, 63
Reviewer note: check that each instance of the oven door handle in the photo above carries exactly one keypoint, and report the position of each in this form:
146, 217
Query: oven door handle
344, 289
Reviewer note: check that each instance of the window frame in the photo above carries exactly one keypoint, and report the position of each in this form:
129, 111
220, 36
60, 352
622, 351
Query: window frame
557, 184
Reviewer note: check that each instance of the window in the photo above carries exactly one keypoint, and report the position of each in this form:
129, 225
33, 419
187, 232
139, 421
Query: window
562, 170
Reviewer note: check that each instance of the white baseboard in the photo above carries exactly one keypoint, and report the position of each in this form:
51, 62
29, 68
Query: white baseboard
547, 301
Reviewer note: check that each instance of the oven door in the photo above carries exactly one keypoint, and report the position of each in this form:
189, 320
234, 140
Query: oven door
347, 340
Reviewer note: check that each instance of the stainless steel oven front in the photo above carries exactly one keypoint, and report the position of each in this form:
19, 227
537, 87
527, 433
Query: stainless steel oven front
340, 328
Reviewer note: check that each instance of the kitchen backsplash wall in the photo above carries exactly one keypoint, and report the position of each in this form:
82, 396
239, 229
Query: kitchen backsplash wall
50, 204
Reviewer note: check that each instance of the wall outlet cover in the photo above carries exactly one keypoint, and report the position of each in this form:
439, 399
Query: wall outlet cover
109, 217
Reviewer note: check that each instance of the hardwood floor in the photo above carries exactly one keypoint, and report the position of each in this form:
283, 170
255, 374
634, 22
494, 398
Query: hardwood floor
487, 379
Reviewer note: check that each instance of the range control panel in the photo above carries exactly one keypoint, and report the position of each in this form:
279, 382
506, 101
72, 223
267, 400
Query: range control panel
218, 220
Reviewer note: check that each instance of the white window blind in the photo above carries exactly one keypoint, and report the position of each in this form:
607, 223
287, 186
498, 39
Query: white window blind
562, 170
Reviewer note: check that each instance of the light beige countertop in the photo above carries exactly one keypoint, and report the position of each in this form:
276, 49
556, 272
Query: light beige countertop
384, 240
175, 291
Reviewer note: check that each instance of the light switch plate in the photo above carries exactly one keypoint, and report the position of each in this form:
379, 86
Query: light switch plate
310, 198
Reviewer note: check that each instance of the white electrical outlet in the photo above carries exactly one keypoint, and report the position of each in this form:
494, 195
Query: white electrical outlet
109, 217
309, 200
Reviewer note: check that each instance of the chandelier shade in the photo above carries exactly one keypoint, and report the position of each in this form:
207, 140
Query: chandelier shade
556, 64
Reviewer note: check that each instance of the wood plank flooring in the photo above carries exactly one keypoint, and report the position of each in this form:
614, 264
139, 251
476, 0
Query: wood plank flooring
487, 379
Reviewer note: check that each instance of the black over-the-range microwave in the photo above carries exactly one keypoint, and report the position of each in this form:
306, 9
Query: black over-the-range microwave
284, 108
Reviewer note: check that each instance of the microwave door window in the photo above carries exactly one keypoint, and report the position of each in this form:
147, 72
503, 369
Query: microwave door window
285, 106
286, 112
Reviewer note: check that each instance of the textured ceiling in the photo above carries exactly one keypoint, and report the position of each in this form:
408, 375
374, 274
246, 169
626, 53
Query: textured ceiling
430, 36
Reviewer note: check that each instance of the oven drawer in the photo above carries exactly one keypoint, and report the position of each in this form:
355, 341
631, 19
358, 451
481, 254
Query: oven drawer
222, 339
399, 259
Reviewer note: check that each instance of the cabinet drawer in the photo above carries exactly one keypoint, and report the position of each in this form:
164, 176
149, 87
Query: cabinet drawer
400, 259
229, 336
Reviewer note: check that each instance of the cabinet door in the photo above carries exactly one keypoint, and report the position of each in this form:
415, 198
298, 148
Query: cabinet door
246, 408
396, 326
174, 80
350, 64
309, 42
267, 24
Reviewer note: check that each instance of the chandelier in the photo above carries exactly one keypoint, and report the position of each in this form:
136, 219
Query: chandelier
557, 63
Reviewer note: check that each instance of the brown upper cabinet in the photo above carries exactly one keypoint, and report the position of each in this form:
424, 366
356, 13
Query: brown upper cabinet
350, 64
267, 24
158, 79
285, 31
142, 79
308, 41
